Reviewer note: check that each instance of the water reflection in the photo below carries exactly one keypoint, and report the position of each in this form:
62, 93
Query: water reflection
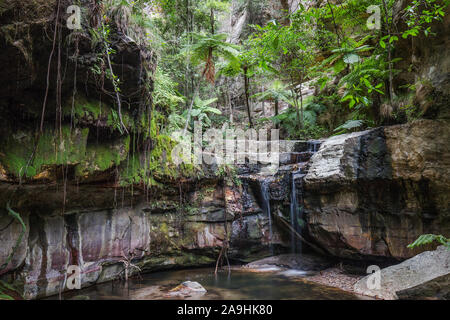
239, 285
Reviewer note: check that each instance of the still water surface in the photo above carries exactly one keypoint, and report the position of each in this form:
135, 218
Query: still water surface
240, 285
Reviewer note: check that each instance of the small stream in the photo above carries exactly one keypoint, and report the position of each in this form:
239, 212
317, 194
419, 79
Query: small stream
240, 285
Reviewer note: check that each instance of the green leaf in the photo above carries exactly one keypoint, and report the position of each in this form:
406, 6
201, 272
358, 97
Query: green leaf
213, 110
350, 125
339, 66
351, 58
196, 112
429, 239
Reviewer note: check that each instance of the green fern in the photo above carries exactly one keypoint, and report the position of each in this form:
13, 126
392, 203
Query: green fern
429, 239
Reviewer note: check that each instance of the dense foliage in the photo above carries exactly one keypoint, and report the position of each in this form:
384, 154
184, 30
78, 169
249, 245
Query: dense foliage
334, 47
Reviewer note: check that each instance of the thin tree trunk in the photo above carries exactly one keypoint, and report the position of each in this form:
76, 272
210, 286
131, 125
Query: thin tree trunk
49, 68
301, 106
212, 21
299, 236
295, 97
247, 101
334, 23
277, 126
228, 98
116, 89
391, 77
188, 119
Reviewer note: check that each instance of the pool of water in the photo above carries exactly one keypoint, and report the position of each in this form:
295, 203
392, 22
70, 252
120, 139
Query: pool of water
239, 285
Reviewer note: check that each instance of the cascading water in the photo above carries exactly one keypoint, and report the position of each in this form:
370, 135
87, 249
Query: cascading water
296, 213
313, 146
266, 207
296, 210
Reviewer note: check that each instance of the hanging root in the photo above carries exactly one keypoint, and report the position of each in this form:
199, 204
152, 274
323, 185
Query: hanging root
49, 67
113, 80
225, 245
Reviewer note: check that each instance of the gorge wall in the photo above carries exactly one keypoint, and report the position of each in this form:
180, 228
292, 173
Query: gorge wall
104, 227
366, 195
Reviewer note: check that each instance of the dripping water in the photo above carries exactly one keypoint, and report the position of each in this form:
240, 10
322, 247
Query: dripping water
296, 198
296, 212
313, 146
266, 207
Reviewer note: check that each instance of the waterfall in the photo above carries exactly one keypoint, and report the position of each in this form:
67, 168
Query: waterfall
296, 210
313, 146
296, 213
266, 207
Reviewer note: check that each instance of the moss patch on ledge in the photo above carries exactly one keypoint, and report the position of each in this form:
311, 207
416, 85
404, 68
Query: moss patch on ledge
65, 147
150, 170
101, 157
94, 112
53, 149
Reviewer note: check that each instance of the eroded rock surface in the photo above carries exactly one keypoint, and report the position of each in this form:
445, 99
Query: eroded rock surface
370, 194
103, 229
304, 262
424, 276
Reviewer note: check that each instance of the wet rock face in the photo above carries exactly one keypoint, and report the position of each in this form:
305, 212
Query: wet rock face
25, 53
89, 142
305, 262
370, 194
101, 230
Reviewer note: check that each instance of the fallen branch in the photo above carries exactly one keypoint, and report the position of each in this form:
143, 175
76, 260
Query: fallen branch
298, 235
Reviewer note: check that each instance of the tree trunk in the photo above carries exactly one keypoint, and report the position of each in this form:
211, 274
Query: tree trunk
335, 25
277, 126
247, 101
212, 21
302, 121
188, 119
389, 48
228, 98
286, 8
295, 98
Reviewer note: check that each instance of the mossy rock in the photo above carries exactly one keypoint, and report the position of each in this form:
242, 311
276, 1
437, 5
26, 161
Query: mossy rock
64, 147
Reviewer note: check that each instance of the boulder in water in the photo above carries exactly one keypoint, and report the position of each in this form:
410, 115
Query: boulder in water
187, 289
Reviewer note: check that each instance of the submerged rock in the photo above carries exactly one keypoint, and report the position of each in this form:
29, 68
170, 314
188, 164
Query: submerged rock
304, 262
424, 276
187, 288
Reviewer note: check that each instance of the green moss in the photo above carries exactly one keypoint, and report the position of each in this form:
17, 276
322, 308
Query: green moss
94, 110
52, 149
191, 259
164, 228
101, 157
83, 108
